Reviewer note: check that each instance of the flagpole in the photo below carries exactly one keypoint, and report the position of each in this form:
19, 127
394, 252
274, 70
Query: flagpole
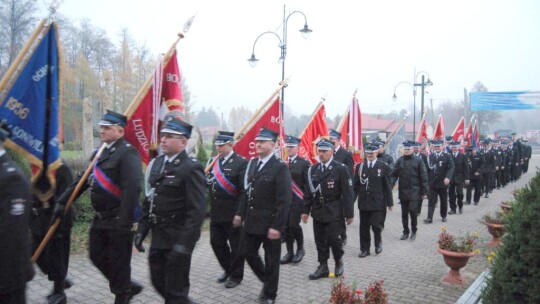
15, 64
129, 111
257, 114
401, 123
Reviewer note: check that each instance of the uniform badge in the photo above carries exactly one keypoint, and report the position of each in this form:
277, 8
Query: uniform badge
10, 169
330, 184
378, 172
17, 206
230, 160
113, 149
176, 161
440, 163
350, 182
294, 161
329, 167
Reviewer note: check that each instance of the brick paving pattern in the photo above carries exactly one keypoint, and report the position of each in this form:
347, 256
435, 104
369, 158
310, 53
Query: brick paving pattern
412, 271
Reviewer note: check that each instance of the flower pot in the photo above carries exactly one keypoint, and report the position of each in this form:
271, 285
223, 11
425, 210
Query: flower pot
506, 208
456, 261
496, 231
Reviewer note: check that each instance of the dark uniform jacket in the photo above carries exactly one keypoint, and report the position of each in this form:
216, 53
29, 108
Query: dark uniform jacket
413, 178
299, 170
268, 197
345, 157
223, 206
333, 198
179, 203
516, 151
461, 168
498, 157
527, 151
439, 168
489, 161
15, 209
372, 186
476, 164
388, 160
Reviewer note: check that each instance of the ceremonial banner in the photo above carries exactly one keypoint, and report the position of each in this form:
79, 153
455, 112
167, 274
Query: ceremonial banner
392, 145
351, 131
31, 110
315, 128
438, 133
458, 134
491, 101
163, 95
268, 118
422, 136
468, 134
475, 136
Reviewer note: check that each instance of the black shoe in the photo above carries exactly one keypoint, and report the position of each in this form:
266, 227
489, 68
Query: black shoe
452, 212
444, 220
363, 254
378, 249
487, 195
413, 236
468, 202
404, 237
476, 203
287, 258
223, 277
298, 256
136, 289
67, 283
343, 242
231, 284
57, 298
339, 268
321, 272
428, 221
460, 210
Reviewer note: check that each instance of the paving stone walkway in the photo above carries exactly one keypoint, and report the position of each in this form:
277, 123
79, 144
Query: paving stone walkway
412, 271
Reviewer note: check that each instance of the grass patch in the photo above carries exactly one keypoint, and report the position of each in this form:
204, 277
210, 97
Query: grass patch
80, 234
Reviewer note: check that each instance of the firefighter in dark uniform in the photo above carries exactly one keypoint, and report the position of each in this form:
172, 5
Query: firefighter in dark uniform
331, 202
510, 161
460, 178
518, 157
298, 167
489, 167
413, 187
527, 154
374, 191
15, 211
54, 259
440, 171
416, 152
384, 157
448, 142
476, 164
115, 188
174, 210
499, 160
264, 212
226, 186
345, 157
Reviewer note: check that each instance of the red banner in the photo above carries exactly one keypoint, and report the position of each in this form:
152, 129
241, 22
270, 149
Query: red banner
468, 134
162, 97
422, 136
270, 119
351, 131
438, 133
315, 128
459, 131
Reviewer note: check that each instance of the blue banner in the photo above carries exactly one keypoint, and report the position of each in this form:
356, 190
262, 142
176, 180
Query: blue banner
31, 108
491, 101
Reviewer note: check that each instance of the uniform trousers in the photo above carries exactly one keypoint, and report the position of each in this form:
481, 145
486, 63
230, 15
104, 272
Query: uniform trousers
475, 184
293, 231
110, 251
409, 208
267, 272
455, 192
487, 180
373, 219
54, 259
225, 241
16, 296
442, 195
169, 272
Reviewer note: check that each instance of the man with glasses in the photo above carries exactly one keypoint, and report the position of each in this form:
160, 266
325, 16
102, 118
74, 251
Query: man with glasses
174, 211
440, 171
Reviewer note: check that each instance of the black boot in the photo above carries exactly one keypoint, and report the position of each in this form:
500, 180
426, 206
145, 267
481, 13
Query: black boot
287, 258
339, 268
321, 272
58, 296
299, 251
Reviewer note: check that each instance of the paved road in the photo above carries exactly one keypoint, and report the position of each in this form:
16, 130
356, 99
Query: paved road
412, 271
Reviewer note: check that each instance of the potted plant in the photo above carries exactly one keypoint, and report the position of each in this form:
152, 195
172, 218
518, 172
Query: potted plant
495, 226
456, 252
344, 294
506, 206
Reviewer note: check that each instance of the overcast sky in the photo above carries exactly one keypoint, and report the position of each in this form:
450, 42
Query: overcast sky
366, 45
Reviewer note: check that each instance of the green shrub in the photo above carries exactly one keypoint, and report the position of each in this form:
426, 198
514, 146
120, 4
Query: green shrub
515, 273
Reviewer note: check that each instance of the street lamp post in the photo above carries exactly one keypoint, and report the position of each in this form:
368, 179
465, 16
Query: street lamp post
414, 85
282, 45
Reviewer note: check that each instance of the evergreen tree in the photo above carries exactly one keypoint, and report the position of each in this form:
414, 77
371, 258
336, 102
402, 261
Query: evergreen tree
515, 273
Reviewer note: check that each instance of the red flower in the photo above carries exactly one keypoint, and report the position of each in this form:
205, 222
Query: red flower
359, 291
